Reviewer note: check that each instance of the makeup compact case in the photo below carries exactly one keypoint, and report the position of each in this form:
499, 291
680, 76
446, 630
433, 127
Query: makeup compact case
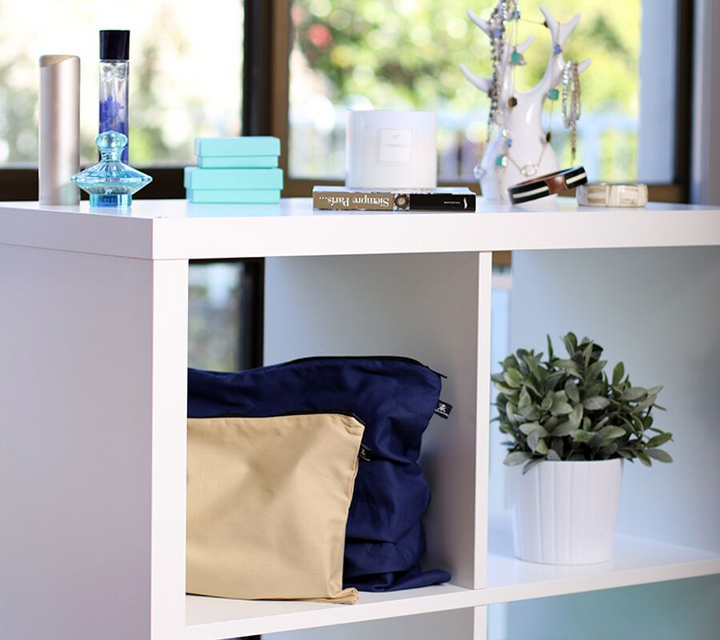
267, 506
395, 398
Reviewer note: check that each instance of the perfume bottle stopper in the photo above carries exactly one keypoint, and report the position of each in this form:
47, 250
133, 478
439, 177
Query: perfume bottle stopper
111, 182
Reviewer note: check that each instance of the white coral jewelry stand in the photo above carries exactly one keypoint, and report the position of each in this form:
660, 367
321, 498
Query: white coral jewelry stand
93, 394
531, 154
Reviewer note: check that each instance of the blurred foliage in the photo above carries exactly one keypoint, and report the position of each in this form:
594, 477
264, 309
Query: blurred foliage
171, 82
405, 53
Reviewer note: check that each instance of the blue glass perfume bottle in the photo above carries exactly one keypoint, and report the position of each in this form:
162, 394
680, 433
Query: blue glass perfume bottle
111, 182
114, 70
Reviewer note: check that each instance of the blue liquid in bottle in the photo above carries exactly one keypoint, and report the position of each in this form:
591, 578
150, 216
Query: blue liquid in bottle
114, 69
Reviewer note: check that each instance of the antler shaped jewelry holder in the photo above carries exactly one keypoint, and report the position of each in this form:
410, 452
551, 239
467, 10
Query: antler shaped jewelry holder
520, 148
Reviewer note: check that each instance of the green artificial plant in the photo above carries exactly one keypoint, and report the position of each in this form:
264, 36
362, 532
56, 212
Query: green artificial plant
569, 409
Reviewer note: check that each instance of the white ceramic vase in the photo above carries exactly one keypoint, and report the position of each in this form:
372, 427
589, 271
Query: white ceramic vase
565, 512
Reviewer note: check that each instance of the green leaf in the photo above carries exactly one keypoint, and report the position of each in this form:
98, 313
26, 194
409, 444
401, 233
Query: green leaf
553, 455
522, 365
532, 440
596, 389
572, 392
510, 362
530, 413
594, 370
564, 429
630, 425
587, 353
516, 457
633, 393
577, 457
530, 427
541, 447
525, 399
643, 457
560, 408
570, 340
549, 346
575, 418
530, 384
596, 403
659, 440
648, 402
514, 378
601, 423
618, 373
610, 433
503, 388
659, 454
568, 365
510, 411
552, 380
530, 464
547, 402
539, 373
579, 435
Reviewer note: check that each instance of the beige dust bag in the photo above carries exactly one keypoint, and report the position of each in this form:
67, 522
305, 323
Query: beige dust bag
268, 501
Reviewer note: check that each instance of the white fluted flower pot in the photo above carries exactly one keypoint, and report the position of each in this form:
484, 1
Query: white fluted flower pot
565, 512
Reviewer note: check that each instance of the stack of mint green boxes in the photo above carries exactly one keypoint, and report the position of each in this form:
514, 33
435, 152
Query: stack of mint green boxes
240, 170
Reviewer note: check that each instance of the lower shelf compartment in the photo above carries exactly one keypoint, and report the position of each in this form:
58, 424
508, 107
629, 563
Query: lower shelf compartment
218, 618
635, 561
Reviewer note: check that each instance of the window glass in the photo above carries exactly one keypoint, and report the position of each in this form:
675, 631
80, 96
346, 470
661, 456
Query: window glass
214, 319
407, 54
185, 71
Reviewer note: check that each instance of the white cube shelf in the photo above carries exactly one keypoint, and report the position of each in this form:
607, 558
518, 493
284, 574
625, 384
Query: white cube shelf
92, 454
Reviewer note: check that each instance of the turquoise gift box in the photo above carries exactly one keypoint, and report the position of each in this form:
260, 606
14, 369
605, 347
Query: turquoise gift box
235, 170
198, 178
234, 196
237, 162
238, 146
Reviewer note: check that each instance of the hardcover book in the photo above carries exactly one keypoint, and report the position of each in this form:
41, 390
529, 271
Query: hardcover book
440, 199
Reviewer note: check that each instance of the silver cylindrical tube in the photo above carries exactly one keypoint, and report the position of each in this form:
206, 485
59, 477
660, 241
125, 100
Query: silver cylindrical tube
59, 129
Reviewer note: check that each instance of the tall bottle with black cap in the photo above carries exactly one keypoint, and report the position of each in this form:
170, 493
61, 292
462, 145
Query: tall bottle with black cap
114, 68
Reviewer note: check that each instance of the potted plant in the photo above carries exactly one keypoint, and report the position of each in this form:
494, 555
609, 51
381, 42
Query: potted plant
571, 427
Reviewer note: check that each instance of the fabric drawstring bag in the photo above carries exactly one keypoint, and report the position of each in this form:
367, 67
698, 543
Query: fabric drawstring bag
395, 398
267, 506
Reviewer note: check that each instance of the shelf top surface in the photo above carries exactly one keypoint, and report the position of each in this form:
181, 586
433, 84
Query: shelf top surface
177, 229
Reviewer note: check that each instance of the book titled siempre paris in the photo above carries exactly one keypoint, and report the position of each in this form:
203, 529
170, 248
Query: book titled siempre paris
347, 199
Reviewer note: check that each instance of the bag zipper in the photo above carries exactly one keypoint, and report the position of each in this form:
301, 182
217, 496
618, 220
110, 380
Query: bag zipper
393, 358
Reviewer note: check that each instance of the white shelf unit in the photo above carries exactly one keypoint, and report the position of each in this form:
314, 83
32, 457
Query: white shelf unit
95, 351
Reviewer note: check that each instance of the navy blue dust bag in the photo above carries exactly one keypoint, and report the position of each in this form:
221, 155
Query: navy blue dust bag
395, 398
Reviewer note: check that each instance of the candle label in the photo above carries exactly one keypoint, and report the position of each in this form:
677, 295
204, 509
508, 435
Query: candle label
395, 145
